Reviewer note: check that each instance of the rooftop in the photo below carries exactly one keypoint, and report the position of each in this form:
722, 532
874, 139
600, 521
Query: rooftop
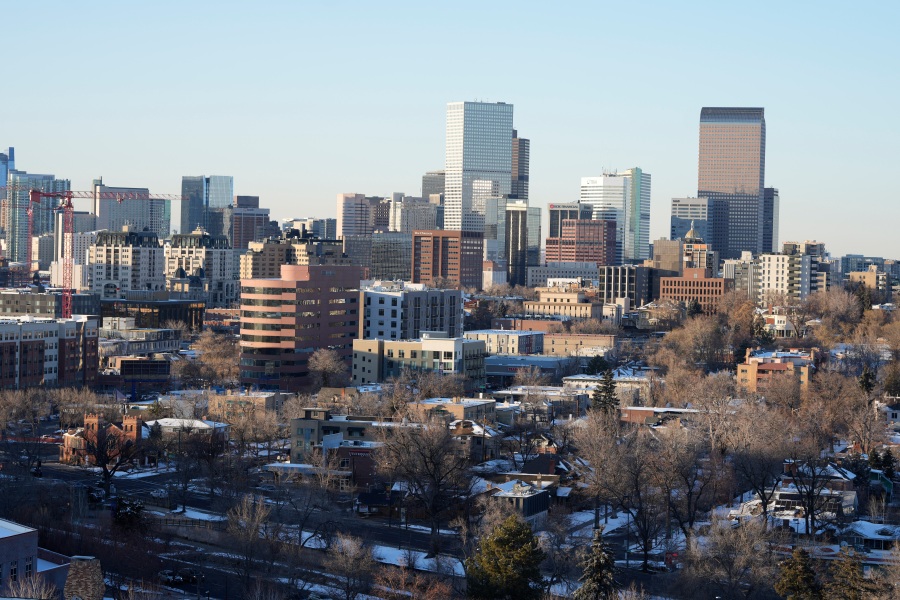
8, 528
502, 332
461, 401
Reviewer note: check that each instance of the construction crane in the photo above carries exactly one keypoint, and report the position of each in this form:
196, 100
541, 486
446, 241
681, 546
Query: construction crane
68, 210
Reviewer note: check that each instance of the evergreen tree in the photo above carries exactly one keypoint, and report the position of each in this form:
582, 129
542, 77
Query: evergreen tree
604, 397
797, 578
507, 565
694, 309
875, 461
888, 464
866, 381
597, 581
597, 364
848, 581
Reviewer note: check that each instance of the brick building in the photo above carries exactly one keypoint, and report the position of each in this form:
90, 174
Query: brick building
48, 352
696, 284
581, 240
283, 321
454, 256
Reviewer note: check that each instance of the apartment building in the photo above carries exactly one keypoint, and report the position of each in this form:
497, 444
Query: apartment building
375, 361
398, 310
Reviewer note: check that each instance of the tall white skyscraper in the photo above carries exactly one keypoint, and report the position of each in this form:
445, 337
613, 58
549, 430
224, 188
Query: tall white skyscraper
623, 198
479, 148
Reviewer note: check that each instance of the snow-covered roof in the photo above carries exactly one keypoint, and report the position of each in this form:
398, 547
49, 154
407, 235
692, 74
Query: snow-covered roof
173, 423
872, 531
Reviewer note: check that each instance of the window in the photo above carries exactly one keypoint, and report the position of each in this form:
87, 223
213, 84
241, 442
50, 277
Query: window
29, 561
13, 571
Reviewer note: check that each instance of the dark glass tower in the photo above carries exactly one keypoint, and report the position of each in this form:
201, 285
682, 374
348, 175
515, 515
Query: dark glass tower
731, 174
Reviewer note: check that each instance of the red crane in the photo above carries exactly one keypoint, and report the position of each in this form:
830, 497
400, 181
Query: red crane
68, 210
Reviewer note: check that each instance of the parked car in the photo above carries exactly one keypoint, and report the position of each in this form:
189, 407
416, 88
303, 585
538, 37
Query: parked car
159, 493
189, 575
168, 576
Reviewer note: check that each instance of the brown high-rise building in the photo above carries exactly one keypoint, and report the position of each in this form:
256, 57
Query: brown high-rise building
454, 256
584, 241
731, 174
285, 320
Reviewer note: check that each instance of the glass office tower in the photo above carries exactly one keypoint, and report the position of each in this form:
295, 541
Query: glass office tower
478, 147
732, 165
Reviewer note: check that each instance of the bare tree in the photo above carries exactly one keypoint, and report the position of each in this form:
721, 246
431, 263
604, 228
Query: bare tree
714, 401
108, 448
688, 474
759, 448
34, 587
328, 369
425, 458
404, 582
351, 564
634, 489
733, 562
246, 521
530, 376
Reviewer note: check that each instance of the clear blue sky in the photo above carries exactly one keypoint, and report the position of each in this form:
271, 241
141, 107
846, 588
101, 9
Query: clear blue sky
302, 100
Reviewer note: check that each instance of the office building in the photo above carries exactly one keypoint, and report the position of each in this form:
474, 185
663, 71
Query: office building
698, 254
590, 241
539, 276
385, 256
479, 147
118, 207
408, 213
615, 282
688, 212
201, 193
521, 156
696, 285
448, 258
121, 261
516, 251
7, 164
15, 224
323, 229
377, 360
263, 259
771, 207
560, 211
355, 215
623, 198
668, 256
206, 258
285, 320
732, 164
153, 309
432, 184
397, 310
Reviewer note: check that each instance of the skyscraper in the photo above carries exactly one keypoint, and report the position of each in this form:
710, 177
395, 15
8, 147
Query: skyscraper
354, 215
199, 194
521, 156
771, 205
136, 210
517, 242
561, 211
479, 147
19, 183
432, 183
623, 198
732, 165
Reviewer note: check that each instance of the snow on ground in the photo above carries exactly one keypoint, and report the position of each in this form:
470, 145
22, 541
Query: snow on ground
427, 529
139, 474
199, 515
582, 523
396, 556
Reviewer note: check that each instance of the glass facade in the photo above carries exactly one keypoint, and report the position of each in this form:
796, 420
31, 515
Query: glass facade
732, 164
625, 199
15, 217
193, 198
479, 147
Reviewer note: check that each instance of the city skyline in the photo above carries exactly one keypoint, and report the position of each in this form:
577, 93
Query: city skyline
291, 147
